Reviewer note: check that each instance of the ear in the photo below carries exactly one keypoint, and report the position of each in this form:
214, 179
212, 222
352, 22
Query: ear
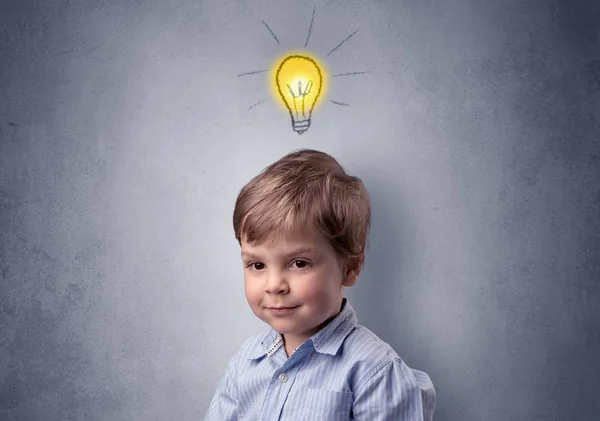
352, 270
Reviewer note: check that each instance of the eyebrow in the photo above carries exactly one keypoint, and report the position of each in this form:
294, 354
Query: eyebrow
301, 250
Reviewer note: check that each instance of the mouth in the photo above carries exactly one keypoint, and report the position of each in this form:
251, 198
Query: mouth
281, 310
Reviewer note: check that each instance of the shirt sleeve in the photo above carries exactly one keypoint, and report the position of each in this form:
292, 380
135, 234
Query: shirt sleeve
395, 392
224, 404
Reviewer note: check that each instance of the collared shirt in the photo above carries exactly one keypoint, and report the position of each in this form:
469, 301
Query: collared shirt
343, 372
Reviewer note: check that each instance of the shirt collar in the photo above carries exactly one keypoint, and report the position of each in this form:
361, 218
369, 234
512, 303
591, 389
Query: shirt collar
327, 341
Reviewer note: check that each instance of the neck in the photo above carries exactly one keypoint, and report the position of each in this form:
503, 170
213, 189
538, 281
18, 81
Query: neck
291, 342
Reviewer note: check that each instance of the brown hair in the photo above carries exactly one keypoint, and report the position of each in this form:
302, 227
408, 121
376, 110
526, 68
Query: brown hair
306, 188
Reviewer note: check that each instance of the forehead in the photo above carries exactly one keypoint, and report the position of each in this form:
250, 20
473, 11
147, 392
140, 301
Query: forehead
308, 241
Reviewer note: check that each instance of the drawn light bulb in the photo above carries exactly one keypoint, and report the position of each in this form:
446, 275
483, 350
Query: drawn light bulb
299, 81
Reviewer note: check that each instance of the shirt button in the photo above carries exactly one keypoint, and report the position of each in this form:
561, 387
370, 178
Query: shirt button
283, 377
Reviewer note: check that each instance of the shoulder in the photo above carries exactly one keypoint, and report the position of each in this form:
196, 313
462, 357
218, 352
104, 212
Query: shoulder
374, 360
362, 345
382, 376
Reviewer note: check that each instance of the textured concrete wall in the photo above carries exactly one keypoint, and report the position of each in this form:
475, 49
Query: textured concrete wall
125, 136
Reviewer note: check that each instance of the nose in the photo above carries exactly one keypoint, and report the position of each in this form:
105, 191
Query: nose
276, 283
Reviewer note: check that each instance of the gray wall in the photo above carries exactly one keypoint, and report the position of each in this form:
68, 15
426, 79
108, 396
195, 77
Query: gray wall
125, 137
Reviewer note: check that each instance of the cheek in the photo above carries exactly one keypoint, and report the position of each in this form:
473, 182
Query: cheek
314, 291
321, 288
252, 289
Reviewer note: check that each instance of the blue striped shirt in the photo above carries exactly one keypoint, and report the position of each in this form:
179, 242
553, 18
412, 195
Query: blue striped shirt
343, 372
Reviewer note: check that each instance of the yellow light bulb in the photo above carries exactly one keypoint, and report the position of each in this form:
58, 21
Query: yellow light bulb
299, 81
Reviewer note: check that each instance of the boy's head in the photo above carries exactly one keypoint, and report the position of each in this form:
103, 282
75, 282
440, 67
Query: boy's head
305, 200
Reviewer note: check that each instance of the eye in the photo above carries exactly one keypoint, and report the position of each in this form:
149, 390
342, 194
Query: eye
301, 264
256, 266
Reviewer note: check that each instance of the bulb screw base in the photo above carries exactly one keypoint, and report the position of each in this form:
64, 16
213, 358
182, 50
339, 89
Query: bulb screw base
301, 126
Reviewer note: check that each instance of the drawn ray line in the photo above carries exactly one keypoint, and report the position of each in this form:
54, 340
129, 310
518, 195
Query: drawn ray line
272, 33
252, 73
258, 103
311, 25
350, 74
340, 103
340, 44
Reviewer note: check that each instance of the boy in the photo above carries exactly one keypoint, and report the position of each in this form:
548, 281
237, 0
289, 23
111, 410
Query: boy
302, 226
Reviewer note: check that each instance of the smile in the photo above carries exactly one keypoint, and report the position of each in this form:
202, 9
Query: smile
282, 310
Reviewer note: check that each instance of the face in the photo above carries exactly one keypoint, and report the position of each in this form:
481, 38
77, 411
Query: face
295, 283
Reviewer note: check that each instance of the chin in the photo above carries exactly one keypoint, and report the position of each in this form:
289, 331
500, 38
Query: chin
283, 327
